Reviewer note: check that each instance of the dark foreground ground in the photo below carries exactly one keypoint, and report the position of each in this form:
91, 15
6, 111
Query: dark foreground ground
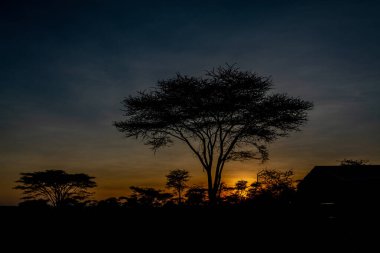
176, 229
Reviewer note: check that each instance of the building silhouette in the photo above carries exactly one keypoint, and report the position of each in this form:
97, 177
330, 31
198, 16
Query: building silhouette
341, 188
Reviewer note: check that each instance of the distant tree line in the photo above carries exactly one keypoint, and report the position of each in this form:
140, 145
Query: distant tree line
57, 188
272, 187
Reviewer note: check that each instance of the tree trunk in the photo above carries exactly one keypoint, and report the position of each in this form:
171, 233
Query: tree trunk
215, 192
211, 193
212, 197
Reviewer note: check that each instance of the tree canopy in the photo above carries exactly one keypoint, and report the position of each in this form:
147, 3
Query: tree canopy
227, 115
353, 162
55, 186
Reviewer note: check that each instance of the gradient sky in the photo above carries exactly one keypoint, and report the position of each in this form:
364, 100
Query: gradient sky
65, 66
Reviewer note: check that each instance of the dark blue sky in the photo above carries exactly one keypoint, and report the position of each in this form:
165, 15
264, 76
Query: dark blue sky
66, 65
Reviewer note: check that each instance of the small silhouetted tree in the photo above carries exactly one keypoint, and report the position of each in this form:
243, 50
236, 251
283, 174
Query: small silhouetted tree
177, 179
227, 194
55, 186
196, 196
147, 197
235, 195
352, 162
278, 185
109, 203
255, 190
227, 115
241, 188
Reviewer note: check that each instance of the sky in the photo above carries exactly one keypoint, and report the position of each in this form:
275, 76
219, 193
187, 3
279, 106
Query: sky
65, 67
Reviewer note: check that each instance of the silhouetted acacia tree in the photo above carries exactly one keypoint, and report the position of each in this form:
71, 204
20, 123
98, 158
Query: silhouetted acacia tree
177, 180
227, 115
55, 186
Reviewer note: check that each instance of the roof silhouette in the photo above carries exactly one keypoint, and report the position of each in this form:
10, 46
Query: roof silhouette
347, 173
341, 184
